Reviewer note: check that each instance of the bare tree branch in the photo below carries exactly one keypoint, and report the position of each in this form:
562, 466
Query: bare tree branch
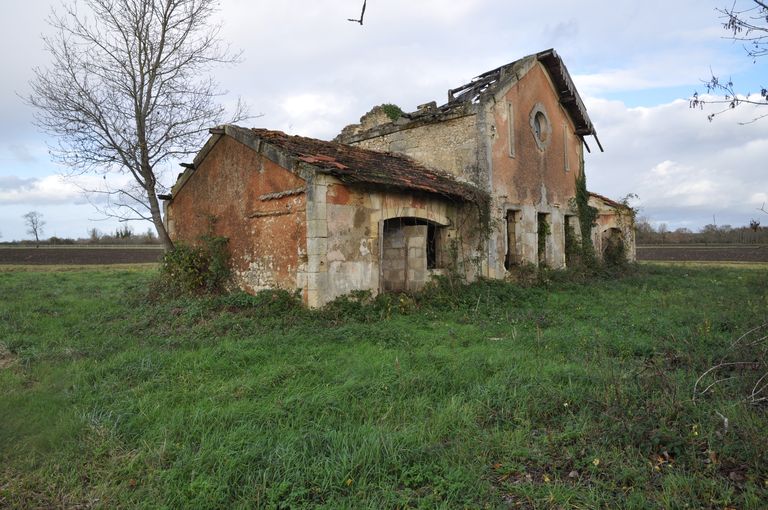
127, 93
749, 25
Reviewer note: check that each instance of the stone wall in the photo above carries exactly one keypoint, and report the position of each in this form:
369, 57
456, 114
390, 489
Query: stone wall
450, 145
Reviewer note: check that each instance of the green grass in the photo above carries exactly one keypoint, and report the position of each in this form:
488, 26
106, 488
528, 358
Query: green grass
487, 397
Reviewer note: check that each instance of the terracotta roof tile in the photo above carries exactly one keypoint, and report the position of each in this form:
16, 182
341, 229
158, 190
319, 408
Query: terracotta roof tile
353, 165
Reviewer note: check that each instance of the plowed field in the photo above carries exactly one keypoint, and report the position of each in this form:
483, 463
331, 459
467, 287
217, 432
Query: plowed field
714, 253
79, 256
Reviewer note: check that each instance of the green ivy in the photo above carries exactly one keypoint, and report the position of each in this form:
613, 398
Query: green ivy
615, 252
572, 246
587, 216
544, 230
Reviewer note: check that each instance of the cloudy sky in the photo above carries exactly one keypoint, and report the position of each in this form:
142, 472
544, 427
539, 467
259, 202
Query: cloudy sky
309, 71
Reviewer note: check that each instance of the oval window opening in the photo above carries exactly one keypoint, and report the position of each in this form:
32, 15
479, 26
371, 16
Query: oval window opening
540, 126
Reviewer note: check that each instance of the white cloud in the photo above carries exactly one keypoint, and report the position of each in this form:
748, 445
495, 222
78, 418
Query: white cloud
51, 189
55, 189
313, 114
684, 168
311, 72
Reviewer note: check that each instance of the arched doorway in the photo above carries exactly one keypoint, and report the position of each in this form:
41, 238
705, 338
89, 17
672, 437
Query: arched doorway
613, 246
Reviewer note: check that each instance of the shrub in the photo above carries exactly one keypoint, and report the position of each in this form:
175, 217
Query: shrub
615, 253
194, 269
393, 111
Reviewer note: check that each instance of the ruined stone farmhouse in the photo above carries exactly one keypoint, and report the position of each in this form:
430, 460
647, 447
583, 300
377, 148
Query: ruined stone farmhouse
479, 185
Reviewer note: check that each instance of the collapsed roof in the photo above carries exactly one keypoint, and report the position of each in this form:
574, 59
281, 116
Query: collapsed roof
351, 165
489, 82
461, 99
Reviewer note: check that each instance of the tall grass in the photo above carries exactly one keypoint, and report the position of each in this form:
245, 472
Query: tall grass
574, 395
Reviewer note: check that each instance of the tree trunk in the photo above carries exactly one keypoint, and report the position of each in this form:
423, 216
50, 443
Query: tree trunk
157, 219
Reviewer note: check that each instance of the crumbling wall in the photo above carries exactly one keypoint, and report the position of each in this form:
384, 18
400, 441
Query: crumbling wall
374, 118
613, 217
258, 205
449, 145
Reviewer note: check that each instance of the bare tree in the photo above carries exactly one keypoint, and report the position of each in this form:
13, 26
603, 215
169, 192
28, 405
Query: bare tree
35, 224
746, 22
663, 230
127, 92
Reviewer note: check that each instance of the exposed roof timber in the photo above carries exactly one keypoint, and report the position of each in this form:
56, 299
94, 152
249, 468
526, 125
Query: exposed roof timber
490, 81
598, 143
569, 95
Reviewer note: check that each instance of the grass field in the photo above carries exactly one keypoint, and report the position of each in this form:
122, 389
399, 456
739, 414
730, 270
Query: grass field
564, 395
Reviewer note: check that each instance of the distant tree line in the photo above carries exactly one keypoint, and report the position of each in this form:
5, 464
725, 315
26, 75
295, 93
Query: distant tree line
124, 235
753, 233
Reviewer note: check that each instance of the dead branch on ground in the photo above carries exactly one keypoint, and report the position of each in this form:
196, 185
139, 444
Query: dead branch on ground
747, 357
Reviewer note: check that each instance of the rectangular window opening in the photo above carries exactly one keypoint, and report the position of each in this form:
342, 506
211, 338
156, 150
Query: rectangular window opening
431, 246
571, 240
512, 257
544, 234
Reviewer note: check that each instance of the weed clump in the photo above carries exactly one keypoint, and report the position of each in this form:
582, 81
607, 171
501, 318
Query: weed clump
269, 302
393, 111
188, 269
615, 253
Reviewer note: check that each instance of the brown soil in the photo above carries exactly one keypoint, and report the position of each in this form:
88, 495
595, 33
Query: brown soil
6, 357
719, 253
78, 256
